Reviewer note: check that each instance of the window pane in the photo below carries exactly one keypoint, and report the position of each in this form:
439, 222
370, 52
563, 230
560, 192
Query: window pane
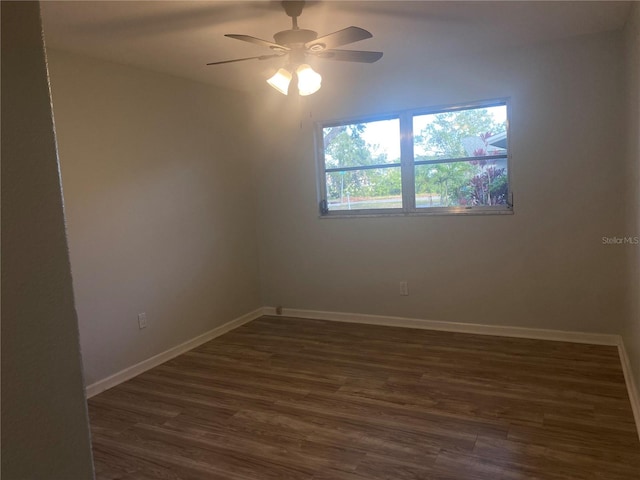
462, 133
364, 189
473, 183
362, 144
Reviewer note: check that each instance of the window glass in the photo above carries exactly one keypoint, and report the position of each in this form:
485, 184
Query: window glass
364, 189
362, 165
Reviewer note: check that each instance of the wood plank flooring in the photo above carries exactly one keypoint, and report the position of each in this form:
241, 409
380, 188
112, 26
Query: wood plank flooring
283, 398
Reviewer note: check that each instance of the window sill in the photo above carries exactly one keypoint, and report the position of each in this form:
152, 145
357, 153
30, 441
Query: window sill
452, 211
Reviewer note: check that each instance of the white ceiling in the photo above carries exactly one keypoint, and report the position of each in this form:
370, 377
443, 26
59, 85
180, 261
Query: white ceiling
179, 38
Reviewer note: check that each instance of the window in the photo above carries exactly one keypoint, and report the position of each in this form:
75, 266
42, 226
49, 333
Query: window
446, 160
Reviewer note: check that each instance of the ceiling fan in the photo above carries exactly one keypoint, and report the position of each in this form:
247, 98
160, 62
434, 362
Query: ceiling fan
298, 43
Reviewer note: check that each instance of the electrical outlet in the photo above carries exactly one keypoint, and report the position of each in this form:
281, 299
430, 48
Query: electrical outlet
404, 288
142, 320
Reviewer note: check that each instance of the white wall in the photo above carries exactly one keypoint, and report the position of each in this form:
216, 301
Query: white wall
631, 328
45, 431
160, 206
545, 266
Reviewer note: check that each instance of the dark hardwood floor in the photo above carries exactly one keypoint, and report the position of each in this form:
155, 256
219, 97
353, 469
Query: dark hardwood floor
283, 398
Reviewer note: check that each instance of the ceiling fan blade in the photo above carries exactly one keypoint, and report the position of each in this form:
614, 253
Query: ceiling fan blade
257, 41
350, 55
259, 57
339, 38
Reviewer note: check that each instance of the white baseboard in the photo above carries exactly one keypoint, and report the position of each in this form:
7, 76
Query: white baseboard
634, 395
137, 369
478, 329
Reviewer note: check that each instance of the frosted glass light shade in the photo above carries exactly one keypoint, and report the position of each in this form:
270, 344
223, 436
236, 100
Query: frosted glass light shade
280, 81
309, 81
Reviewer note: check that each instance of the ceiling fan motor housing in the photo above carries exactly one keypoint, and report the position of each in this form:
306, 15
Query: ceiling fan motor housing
291, 38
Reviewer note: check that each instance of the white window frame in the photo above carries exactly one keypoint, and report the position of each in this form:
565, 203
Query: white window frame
407, 165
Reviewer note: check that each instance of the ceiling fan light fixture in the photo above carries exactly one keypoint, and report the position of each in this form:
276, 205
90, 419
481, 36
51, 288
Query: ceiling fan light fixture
280, 81
309, 81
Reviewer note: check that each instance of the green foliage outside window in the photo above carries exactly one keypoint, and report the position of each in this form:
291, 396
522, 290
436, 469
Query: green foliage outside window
460, 183
345, 147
